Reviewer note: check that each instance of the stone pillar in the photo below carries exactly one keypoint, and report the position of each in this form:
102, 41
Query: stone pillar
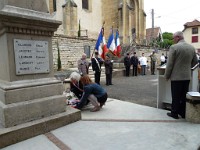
28, 90
70, 19
124, 21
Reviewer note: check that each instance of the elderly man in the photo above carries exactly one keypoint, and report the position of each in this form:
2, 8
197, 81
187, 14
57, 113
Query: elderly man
181, 58
83, 65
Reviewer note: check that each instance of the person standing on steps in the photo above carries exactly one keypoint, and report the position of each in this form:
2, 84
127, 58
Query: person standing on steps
134, 63
108, 70
143, 64
162, 59
127, 64
96, 67
83, 65
153, 62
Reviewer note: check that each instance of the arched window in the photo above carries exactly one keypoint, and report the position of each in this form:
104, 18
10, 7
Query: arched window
85, 4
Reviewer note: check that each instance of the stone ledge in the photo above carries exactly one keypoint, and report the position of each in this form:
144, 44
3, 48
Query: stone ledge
30, 93
193, 107
31, 110
25, 131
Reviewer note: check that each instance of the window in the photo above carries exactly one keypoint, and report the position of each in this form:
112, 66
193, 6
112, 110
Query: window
194, 39
194, 30
85, 4
87, 50
54, 5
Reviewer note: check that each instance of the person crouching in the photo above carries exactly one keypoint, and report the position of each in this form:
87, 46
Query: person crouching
92, 92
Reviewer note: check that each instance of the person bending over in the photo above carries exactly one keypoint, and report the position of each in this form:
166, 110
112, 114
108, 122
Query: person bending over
75, 85
92, 92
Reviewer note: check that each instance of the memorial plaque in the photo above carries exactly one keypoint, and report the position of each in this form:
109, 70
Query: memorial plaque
31, 56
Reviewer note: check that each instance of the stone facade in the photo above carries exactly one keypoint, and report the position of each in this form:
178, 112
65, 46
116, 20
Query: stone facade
130, 18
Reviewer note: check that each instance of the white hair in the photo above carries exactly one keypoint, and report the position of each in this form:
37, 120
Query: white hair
179, 33
74, 75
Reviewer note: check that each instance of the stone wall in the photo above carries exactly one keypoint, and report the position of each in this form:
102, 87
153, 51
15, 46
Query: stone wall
71, 49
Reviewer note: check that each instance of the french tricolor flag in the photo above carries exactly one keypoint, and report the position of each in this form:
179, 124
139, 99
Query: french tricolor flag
117, 51
101, 44
111, 42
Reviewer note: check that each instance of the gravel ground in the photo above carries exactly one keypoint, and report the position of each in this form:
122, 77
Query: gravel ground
140, 90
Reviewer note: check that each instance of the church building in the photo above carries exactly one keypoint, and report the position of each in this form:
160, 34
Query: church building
88, 16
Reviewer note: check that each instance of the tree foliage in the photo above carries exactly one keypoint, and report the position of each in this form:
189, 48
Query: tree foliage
59, 64
167, 40
79, 29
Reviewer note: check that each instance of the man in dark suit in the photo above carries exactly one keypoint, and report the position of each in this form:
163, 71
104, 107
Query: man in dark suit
134, 62
96, 67
127, 64
182, 57
108, 70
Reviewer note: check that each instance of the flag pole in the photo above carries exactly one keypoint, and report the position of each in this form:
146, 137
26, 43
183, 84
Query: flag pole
94, 47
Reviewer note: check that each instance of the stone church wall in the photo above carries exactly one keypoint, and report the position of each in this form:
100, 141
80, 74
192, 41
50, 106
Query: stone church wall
71, 49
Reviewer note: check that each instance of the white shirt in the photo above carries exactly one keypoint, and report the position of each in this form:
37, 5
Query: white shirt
143, 60
162, 58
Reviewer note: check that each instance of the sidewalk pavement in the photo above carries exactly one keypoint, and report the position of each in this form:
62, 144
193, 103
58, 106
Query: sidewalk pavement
119, 125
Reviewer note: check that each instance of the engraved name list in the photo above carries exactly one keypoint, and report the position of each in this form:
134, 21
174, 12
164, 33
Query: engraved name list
31, 56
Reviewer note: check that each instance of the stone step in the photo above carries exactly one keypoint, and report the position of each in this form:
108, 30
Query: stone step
16, 95
25, 131
31, 110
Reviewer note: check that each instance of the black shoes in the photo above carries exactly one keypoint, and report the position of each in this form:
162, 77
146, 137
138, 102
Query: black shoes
173, 116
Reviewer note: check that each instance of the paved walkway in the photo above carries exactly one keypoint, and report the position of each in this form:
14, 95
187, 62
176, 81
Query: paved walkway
119, 126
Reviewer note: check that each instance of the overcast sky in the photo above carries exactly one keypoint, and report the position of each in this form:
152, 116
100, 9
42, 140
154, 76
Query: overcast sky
171, 15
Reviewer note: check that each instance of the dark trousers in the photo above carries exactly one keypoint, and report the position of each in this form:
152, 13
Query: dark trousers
127, 70
97, 76
179, 90
162, 63
153, 66
135, 68
108, 79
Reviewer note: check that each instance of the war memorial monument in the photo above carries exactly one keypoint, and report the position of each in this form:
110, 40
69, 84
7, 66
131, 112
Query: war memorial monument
31, 98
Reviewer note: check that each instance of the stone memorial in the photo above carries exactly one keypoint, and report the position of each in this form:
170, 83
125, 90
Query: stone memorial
31, 98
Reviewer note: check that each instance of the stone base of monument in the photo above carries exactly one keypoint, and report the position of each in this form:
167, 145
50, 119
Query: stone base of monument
27, 130
32, 107
193, 107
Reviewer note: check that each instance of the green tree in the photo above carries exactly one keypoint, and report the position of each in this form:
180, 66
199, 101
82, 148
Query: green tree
167, 40
79, 29
59, 64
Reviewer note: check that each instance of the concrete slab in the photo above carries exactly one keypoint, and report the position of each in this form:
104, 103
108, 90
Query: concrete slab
124, 126
121, 110
37, 143
92, 135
